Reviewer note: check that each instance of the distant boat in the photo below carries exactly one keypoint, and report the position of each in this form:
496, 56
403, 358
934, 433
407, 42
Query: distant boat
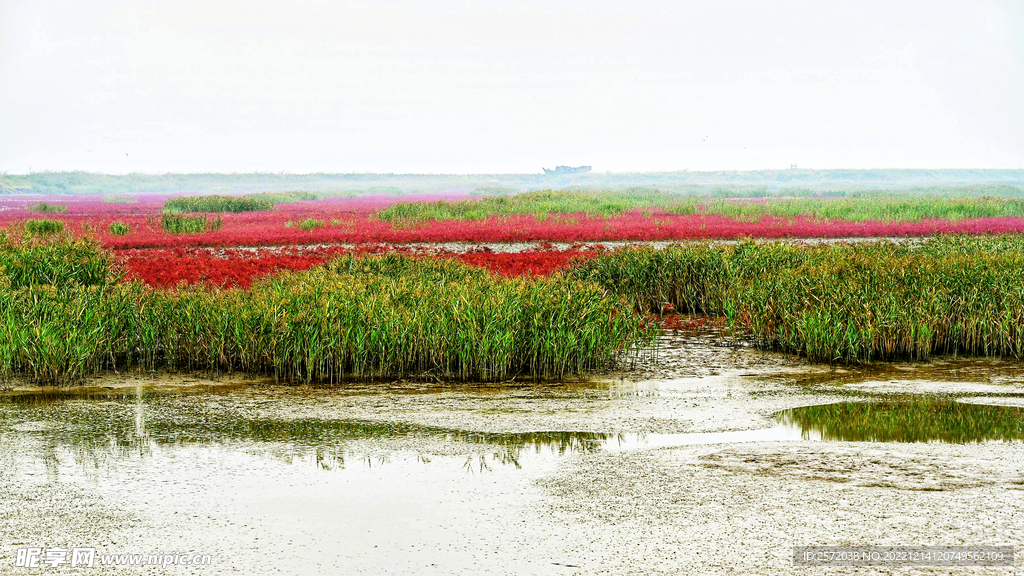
568, 170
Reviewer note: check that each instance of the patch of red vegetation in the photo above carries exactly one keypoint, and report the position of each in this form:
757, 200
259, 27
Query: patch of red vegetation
687, 323
222, 268
542, 261
234, 267
280, 229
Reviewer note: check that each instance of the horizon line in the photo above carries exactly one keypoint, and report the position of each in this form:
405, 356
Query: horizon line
593, 172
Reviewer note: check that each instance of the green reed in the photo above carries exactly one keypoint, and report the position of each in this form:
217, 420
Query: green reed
217, 204
285, 197
115, 199
839, 302
307, 224
612, 203
884, 209
119, 228
43, 227
46, 208
356, 317
249, 203
540, 203
195, 224
60, 263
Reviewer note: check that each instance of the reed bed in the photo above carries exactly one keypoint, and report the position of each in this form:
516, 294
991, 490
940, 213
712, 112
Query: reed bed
864, 209
58, 262
648, 201
539, 203
387, 316
119, 228
235, 204
49, 208
43, 226
839, 302
196, 224
217, 204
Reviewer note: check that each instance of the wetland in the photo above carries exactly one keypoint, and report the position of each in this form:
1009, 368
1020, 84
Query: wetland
708, 458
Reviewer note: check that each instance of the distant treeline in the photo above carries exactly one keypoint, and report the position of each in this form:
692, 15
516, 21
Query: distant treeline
793, 182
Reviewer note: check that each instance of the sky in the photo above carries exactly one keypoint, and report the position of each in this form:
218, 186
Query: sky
458, 86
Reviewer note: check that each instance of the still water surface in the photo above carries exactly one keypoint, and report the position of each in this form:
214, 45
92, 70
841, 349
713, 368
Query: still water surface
197, 470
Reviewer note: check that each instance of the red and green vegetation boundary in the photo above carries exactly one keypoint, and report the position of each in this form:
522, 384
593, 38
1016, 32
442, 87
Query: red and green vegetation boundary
78, 296
237, 267
66, 312
844, 302
563, 216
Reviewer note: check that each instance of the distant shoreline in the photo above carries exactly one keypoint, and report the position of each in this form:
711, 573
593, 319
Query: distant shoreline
79, 182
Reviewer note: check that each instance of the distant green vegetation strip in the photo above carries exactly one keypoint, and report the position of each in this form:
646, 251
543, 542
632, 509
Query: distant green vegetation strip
839, 302
249, 203
64, 315
857, 209
861, 208
536, 203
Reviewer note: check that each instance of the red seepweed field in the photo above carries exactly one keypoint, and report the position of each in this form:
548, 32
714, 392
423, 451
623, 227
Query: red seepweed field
299, 235
226, 267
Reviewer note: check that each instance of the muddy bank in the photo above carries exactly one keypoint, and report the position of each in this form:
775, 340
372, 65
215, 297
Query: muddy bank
427, 248
742, 509
678, 465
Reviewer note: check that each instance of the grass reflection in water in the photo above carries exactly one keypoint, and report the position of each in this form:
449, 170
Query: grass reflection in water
932, 420
124, 423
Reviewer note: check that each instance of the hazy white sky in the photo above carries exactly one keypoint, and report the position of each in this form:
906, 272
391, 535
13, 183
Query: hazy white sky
508, 86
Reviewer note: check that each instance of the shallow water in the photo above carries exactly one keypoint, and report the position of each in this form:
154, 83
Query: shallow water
112, 425
371, 480
108, 426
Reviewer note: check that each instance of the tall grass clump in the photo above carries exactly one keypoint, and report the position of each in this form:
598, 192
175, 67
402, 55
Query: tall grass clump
119, 228
839, 302
196, 224
58, 262
45, 208
358, 317
217, 204
50, 300
43, 227
308, 224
